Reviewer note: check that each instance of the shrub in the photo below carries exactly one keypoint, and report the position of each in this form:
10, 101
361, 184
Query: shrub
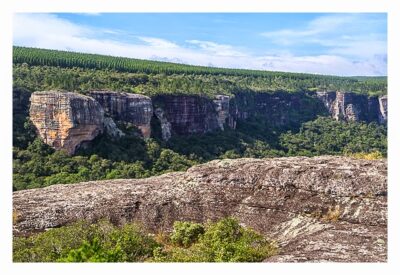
94, 252
223, 241
81, 242
368, 156
186, 233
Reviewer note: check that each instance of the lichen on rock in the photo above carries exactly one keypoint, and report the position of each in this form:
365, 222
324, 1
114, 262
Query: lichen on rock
318, 209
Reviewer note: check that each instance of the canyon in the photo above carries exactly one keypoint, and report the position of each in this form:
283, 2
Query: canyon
66, 120
317, 209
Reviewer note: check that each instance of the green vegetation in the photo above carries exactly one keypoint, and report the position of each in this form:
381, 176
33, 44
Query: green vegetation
325, 136
37, 165
222, 241
39, 69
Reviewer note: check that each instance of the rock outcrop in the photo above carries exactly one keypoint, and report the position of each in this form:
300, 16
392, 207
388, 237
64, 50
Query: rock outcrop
281, 109
222, 108
65, 120
383, 109
129, 108
188, 114
318, 209
164, 123
349, 106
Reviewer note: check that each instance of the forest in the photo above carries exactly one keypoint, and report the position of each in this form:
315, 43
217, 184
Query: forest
40, 69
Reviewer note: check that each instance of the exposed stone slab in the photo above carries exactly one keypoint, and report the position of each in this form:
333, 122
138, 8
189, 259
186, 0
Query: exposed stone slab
317, 209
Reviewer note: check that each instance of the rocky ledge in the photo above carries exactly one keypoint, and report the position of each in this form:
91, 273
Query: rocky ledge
317, 209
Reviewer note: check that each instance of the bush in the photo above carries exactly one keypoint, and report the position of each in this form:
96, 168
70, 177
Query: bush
81, 242
186, 233
368, 156
223, 241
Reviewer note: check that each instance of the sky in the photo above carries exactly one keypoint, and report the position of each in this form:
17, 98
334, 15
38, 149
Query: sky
343, 44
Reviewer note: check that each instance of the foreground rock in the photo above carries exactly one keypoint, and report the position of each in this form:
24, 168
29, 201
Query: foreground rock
318, 209
65, 120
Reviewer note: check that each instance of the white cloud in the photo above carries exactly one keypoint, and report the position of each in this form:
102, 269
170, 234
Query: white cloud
340, 34
157, 42
217, 49
49, 31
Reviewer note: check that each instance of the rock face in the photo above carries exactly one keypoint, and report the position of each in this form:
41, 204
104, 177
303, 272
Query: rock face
221, 103
65, 120
276, 108
129, 108
188, 114
354, 107
383, 109
318, 209
165, 124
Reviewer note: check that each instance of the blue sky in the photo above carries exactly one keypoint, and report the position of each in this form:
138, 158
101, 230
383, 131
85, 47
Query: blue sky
339, 44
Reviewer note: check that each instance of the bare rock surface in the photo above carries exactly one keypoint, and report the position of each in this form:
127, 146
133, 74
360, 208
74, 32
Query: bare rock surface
130, 108
64, 120
317, 209
350, 106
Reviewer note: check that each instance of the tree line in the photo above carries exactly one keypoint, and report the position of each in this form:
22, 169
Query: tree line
166, 77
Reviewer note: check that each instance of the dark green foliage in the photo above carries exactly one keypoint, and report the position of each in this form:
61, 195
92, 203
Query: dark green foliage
186, 233
170, 161
23, 129
38, 165
94, 252
84, 242
223, 241
39, 69
325, 136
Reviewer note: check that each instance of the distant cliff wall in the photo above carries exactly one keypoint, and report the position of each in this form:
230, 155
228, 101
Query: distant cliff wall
277, 108
129, 108
193, 114
355, 107
65, 120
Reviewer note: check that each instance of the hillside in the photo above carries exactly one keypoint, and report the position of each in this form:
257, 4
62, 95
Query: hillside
126, 118
40, 69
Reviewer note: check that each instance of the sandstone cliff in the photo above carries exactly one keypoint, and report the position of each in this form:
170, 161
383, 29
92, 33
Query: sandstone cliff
355, 107
280, 109
318, 209
187, 115
129, 108
65, 120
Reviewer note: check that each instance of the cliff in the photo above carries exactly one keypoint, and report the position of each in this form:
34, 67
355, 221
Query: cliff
355, 107
280, 109
65, 120
188, 115
127, 108
318, 209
